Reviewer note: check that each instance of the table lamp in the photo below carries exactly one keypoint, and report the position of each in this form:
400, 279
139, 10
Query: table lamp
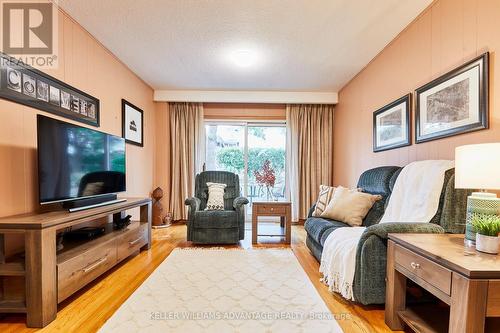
477, 167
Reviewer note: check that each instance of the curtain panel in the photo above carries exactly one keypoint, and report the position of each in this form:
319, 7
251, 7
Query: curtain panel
187, 153
309, 154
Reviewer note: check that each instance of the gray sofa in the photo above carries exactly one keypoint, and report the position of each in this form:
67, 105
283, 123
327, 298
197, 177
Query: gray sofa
371, 257
216, 226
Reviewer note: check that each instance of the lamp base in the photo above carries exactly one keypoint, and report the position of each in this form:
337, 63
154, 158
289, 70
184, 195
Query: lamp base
479, 203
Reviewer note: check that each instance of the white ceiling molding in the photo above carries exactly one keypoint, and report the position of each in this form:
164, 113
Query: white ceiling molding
279, 97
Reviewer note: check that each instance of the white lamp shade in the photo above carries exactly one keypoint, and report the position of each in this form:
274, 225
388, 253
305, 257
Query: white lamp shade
478, 166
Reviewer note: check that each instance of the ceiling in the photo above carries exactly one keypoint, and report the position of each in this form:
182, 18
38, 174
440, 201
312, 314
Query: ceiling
289, 45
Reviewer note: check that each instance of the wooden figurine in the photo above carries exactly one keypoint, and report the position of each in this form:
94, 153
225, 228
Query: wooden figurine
157, 207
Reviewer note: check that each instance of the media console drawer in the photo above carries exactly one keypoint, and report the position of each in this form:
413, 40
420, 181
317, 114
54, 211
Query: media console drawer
76, 272
131, 241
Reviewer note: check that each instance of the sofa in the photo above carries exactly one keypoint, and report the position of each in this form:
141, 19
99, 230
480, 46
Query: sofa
216, 226
371, 257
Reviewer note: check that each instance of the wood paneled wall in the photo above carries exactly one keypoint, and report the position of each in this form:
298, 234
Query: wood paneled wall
87, 65
447, 34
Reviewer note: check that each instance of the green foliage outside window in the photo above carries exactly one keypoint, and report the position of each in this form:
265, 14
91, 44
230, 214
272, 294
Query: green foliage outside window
231, 159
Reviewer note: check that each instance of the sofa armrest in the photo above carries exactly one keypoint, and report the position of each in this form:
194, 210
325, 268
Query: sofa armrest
193, 203
238, 205
239, 202
383, 229
371, 258
311, 211
194, 206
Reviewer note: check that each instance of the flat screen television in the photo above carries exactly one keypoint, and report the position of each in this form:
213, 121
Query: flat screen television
75, 162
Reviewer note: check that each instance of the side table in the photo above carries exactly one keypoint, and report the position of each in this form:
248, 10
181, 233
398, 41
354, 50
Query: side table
279, 208
468, 283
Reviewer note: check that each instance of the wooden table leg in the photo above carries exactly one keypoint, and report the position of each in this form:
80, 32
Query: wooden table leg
468, 304
254, 226
288, 225
282, 221
395, 293
146, 215
41, 281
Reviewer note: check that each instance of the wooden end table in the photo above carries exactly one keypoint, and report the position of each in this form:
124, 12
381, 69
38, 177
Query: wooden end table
468, 282
275, 208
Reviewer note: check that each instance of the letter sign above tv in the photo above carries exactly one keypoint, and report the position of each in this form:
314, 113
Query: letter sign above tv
26, 85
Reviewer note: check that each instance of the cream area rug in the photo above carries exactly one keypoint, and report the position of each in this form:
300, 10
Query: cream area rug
217, 290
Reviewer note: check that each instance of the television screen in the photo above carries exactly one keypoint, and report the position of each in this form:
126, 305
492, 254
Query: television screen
76, 162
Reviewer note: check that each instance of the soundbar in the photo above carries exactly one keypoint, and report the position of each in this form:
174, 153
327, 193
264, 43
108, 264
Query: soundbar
79, 205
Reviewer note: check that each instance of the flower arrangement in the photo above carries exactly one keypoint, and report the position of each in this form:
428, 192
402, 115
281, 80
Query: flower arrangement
266, 178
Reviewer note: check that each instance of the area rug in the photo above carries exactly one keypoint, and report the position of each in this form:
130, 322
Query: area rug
217, 290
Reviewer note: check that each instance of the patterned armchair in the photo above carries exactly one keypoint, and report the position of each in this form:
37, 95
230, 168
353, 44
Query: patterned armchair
216, 226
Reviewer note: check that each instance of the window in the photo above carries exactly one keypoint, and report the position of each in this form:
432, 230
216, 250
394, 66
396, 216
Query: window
254, 151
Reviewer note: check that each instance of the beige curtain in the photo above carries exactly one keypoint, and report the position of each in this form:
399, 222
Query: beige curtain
309, 154
186, 135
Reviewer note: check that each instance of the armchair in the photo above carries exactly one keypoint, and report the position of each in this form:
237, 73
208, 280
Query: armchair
216, 226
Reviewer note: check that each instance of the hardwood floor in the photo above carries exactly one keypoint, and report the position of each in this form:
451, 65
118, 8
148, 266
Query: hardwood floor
88, 309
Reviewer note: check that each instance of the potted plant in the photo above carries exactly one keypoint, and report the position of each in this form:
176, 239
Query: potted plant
487, 228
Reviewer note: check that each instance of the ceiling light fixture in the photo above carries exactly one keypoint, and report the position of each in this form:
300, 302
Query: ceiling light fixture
244, 58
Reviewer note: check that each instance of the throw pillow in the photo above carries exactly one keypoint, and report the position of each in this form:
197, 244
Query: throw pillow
350, 206
215, 196
324, 197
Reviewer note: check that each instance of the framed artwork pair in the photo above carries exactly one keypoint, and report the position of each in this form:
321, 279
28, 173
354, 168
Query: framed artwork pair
452, 104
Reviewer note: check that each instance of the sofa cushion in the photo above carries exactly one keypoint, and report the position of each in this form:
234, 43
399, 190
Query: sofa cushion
350, 206
215, 219
316, 226
215, 196
376, 181
375, 213
324, 197
328, 231
394, 177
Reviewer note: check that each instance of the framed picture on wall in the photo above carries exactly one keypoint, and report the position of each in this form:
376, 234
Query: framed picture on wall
391, 125
454, 103
28, 86
132, 124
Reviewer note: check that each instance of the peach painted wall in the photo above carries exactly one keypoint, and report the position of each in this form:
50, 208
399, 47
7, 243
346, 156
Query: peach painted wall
85, 64
446, 35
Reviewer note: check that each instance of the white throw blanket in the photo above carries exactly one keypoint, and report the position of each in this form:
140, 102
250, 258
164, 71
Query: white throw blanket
338, 261
415, 197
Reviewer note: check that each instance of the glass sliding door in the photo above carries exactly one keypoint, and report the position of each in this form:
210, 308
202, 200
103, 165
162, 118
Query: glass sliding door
266, 163
225, 148
254, 151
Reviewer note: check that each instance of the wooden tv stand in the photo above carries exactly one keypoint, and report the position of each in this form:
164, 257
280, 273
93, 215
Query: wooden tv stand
51, 276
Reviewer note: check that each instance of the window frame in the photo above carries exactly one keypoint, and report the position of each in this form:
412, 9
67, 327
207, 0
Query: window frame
246, 124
